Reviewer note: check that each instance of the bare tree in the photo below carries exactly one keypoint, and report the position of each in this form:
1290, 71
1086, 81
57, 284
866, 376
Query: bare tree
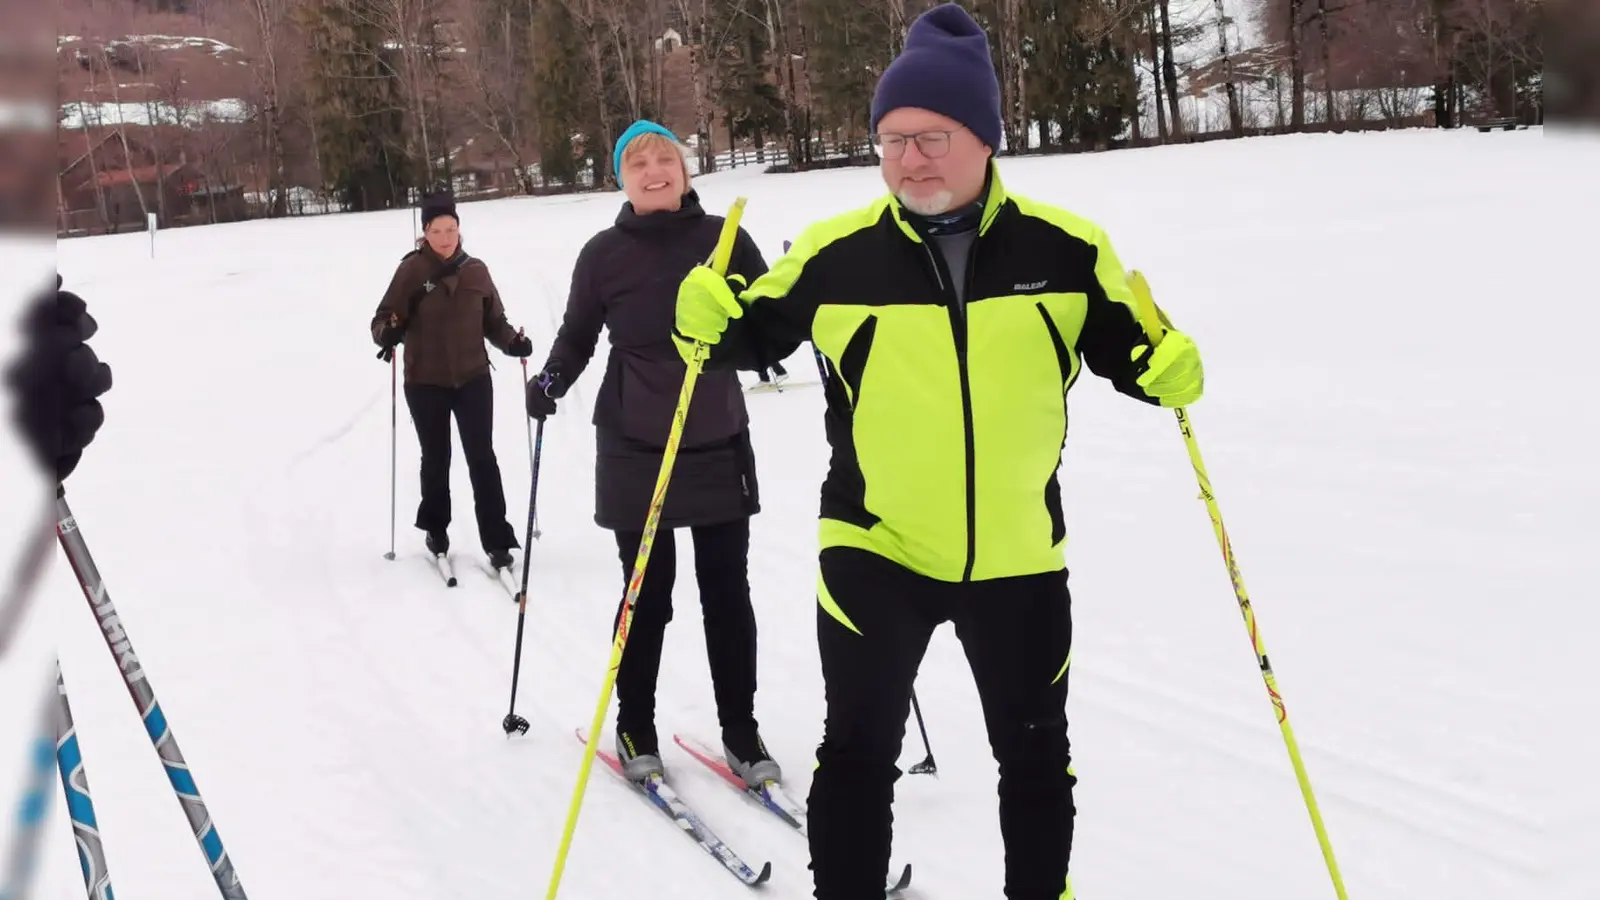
1235, 113
1169, 68
265, 31
496, 97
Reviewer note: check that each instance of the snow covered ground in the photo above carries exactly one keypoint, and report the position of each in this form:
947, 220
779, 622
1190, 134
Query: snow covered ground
1396, 426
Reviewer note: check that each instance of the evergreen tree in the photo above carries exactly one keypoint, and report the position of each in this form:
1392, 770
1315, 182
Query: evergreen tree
560, 76
356, 109
849, 46
744, 92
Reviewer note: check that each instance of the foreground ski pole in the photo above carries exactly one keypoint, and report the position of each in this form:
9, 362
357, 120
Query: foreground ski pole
1155, 325
23, 580
24, 850
16, 882
75, 785
512, 721
719, 263
144, 699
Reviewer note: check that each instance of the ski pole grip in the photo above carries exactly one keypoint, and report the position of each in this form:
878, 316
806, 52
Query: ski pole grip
720, 257
730, 233
1151, 318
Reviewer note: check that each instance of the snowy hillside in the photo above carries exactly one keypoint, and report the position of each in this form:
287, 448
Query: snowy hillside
1396, 424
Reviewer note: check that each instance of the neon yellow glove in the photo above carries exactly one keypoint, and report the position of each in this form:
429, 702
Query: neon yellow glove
1172, 375
706, 303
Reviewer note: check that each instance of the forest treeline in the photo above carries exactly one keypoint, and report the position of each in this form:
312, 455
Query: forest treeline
368, 103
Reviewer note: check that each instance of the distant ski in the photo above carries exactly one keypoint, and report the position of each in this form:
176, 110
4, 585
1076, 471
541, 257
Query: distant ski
503, 577
441, 564
770, 796
767, 387
664, 798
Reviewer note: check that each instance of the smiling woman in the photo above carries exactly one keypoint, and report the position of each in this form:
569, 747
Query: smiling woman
625, 280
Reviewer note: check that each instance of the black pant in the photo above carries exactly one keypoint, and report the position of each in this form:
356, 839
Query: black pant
721, 554
473, 407
1017, 633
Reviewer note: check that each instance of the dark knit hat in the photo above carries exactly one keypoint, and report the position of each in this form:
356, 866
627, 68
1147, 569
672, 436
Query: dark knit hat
945, 68
436, 205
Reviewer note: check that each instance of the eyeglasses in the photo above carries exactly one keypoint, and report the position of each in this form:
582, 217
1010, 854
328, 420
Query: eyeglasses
931, 144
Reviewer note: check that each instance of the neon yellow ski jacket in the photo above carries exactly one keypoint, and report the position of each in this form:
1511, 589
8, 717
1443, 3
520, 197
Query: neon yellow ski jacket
946, 420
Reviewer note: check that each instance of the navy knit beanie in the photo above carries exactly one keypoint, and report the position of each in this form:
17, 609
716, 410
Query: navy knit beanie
944, 68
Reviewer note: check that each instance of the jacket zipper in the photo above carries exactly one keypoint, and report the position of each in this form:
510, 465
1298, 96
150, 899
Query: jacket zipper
958, 328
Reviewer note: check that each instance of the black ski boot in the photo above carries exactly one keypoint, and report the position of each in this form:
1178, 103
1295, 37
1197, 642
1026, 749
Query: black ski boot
639, 754
500, 559
437, 542
747, 756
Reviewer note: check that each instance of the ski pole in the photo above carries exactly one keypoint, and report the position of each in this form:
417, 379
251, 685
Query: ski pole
75, 785
144, 699
719, 263
512, 721
533, 463
24, 579
927, 766
19, 871
1155, 324
393, 418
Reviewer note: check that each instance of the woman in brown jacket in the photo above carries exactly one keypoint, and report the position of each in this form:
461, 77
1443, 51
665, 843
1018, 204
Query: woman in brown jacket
442, 304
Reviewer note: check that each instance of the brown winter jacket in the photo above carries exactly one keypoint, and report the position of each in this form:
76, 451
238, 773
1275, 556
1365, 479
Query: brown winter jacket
445, 320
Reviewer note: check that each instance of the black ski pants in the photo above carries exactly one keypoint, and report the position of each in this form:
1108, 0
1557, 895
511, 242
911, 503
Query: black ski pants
1017, 634
721, 558
472, 404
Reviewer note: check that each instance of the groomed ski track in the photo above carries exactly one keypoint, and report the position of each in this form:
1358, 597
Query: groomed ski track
341, 712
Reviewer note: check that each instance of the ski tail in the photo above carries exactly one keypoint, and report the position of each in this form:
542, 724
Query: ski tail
441, 564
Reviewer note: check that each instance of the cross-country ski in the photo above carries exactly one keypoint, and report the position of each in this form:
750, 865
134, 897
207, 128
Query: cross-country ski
664, 799
769, 796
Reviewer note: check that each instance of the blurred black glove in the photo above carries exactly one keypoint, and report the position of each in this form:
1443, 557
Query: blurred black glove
58, 380
389, 337
544, 391
521, 347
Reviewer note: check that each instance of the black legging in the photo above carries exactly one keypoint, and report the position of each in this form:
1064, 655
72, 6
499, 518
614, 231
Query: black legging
721, 554
472, 406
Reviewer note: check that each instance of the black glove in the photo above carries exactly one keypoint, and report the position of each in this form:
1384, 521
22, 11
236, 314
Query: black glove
389, 337
58, 379
544, 391
521, 347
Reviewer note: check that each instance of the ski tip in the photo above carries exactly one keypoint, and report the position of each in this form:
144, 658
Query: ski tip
766, 873
903, 882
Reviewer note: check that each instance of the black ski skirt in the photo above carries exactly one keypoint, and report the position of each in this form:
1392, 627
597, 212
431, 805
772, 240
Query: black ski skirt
710, 484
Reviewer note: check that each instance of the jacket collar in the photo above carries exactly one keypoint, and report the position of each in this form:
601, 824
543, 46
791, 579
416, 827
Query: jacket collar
987, 207
689, 210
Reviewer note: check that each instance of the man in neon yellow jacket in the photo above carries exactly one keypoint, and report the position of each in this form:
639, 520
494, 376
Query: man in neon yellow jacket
953, 317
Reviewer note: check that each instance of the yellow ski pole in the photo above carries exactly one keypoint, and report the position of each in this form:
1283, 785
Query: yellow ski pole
719, 262
1155, 326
